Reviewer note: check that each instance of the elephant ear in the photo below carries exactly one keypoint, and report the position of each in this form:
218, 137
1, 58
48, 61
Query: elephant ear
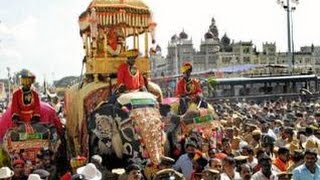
117, 141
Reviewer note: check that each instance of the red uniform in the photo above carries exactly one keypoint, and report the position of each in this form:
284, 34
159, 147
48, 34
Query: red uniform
191, 88
125, 77
25, 104
280, 165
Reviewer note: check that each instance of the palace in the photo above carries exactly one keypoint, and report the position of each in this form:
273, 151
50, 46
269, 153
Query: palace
233, 58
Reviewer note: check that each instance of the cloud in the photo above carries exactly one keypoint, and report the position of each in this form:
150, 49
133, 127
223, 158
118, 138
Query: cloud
26, 30
4, 30
13, 38
23, 31
9, 54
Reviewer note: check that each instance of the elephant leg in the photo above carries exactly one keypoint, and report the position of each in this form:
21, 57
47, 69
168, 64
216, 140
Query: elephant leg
93, 144
170, 143
183, 106
167, 148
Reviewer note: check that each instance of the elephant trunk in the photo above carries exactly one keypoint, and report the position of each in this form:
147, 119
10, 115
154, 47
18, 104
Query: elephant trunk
149, 127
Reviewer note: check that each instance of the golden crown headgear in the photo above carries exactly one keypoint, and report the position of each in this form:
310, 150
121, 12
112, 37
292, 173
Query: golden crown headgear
186, 66
132, 53
26, 77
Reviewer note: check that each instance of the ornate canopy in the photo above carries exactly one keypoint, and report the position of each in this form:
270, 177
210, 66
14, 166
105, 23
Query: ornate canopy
133, 15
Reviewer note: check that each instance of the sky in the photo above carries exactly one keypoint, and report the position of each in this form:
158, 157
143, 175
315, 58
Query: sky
43, 35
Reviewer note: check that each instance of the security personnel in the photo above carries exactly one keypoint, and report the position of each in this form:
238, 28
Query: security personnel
166, 171
240, 160
210, 174
25, 104
284, 176
188, 89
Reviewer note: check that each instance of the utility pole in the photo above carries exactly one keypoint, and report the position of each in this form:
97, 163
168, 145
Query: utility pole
176, 59
289, 8
9, 84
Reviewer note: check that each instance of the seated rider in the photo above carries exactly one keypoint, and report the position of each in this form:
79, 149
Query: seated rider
189, 89
129, 77
25, 104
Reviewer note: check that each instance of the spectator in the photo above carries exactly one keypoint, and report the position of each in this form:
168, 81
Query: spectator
133, 172
44, 175
48, 164
106, 174
166, 171
215, 164
308, 170
34, 177
184, 163
226, 147
297, 160
248, 151
245, 172
6, 173
90, 172
18, 168
281, 163
266, 172
229, 172
210, 174
198, 166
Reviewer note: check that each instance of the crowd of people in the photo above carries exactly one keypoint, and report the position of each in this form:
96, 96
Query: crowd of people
268, 140
258, 140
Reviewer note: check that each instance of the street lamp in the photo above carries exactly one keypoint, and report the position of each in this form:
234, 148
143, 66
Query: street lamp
9, 84
176, 59
289, 9
233, 62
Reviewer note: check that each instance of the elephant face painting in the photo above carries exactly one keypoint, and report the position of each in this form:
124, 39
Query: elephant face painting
149, 127
136, 135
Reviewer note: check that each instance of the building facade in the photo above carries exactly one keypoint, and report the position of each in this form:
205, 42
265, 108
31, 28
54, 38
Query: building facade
215, 54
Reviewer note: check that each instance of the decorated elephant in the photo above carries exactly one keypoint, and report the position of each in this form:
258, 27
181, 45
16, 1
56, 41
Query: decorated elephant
197, 123
29, 139
130, 130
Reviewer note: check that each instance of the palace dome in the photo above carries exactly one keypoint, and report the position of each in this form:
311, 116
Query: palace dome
174, 38
225, 39
208, 35
183, 35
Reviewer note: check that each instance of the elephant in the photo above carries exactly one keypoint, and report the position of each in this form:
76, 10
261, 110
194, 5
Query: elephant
49, 130
180, 127
126, 132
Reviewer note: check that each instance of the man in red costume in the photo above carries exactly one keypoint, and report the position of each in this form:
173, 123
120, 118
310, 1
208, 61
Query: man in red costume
25, 101
188, 89
129, 77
